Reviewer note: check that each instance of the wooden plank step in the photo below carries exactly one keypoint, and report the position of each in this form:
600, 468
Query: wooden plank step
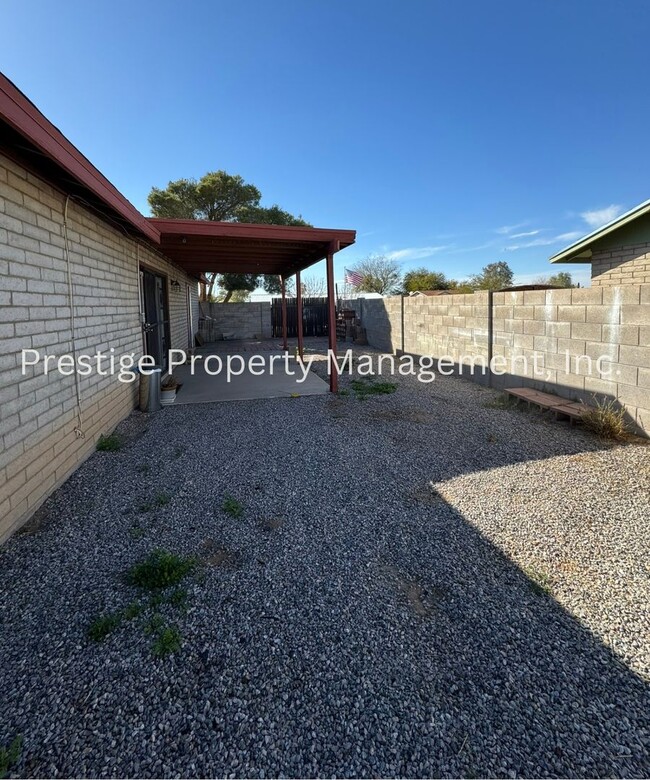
571, 409
546, 400
557, 404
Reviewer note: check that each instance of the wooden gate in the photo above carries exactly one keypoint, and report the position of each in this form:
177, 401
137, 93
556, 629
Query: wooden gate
314, 317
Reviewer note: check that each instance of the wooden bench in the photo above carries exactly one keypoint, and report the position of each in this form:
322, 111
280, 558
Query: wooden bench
574, 410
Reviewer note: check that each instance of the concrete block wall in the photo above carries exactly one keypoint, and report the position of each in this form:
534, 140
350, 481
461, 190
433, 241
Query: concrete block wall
555, 325
38, 413
617, 266
243, 320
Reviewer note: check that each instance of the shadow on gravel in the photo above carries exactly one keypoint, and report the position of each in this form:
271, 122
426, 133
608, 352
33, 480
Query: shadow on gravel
511, 683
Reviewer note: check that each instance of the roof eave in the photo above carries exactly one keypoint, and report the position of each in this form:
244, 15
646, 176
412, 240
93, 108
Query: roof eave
20, 114
580, 251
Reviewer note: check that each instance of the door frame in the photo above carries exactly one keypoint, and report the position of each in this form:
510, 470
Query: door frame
166, 311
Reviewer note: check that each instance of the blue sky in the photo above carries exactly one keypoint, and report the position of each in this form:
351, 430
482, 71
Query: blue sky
448, 134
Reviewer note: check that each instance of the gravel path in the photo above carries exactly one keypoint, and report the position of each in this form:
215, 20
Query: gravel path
420, 585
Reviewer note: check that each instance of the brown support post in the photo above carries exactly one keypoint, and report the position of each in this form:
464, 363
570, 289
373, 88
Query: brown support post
331, 325
283, 285
299, 313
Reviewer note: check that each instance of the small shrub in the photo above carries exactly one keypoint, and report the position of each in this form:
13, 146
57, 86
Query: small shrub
111, 443
232, 507
366, 387
160, 569
607, 420
167, 641
104, 625
9, 755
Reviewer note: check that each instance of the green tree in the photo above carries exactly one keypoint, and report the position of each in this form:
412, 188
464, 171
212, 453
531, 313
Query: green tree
561, 279
221, 197
420, 279
379, 275
271, 215
236, 283
460, 287
494, 276
216, 196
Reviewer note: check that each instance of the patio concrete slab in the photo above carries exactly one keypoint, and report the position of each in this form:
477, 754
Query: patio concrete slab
283, 380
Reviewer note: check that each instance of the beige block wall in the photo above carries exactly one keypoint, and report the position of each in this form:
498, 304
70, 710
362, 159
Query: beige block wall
38, 413
251, 320
561, 327
621, 265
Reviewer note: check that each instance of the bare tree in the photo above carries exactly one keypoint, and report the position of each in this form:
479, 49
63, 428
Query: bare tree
379, 274
313, 287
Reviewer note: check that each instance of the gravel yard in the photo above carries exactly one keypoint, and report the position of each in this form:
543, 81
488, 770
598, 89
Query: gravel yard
419, 584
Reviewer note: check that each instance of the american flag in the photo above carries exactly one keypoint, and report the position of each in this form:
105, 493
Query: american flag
353, 277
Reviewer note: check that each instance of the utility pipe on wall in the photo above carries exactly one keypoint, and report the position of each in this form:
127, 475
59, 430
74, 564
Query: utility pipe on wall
79, 432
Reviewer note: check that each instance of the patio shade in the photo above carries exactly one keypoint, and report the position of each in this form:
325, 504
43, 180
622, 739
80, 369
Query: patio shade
200, 246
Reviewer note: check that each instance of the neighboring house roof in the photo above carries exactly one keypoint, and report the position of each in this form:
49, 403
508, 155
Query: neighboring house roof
529, 287
581, 251
38, 144
430, 292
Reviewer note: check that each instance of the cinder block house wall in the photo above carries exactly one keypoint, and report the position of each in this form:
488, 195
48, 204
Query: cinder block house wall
38, 413
611, 321
619, 265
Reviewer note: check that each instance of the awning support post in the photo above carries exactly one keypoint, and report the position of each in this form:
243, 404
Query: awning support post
299, 314
283, 286
331, 324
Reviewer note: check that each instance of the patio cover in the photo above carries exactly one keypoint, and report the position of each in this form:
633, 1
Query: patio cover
200, 246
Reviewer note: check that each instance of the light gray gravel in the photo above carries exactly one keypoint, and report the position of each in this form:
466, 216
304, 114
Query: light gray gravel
359, 620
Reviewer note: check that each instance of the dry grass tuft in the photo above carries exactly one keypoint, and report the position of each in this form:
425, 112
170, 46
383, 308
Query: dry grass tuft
607, 420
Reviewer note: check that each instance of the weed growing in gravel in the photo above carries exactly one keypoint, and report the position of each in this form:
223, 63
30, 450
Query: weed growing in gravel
179, 452
502, 401
367, 387
136, 532
344, 392
160, 569
158, 572
155, 624
9, 755
111, 443
144, 468
540, 582
161, 499
607, 420
168, 640
232, 507
178, 598
104, 625
134, 609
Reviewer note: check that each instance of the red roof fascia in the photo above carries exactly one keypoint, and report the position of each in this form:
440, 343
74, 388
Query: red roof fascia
23, 116
197, 227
